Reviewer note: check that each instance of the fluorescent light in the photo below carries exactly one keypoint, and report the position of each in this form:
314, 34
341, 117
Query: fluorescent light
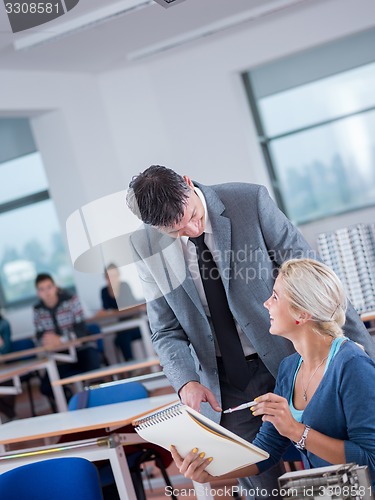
213, 28
168, 3
85, 21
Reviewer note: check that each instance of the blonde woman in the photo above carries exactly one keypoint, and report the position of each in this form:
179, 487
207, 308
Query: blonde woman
324, 399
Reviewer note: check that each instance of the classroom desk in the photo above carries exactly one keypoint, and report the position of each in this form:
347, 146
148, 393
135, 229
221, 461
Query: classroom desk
12, 356
109, 316
110, 323
53, 352
131, 317
68, 423
108, 371
127, 324
151, 381
14, 371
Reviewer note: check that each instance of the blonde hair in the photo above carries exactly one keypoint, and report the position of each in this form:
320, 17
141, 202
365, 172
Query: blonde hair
313, 288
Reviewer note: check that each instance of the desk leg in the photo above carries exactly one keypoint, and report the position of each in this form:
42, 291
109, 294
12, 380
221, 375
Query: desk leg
121, 473
58, 391
16, 388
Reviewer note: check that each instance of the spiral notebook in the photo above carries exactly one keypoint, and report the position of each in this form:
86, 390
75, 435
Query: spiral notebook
186, 429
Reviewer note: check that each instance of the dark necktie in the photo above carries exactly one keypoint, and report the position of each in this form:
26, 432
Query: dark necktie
222, 319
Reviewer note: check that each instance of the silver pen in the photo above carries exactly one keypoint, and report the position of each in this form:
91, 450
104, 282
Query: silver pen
241, 407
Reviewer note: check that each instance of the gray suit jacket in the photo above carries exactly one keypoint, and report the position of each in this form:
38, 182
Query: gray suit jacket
253, 237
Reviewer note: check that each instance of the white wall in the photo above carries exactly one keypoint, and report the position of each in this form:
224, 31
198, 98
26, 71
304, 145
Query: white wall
71, 132
185, 108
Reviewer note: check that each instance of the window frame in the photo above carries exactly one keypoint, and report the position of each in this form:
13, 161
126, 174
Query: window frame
22, 202
265, 141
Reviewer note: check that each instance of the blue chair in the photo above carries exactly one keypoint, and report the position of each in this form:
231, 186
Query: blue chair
57, 479
136, 455
107, 395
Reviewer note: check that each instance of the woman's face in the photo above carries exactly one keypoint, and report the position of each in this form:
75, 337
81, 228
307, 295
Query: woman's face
282, 322
112, 277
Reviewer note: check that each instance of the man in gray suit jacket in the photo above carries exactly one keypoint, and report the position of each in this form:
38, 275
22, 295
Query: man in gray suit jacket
249, 237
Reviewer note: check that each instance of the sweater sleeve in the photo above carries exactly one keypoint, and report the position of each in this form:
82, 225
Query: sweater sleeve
357, 392
79, 325
270, 440
39, 330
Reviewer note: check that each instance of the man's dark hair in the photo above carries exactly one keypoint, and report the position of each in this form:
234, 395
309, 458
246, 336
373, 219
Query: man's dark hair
43, 277
158, 196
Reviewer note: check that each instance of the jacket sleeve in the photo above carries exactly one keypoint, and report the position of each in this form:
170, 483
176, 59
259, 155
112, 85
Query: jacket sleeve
168, 337
357, 392
284, 241
270, 440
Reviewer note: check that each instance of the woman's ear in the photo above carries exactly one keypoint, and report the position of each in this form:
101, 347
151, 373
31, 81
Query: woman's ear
303, 317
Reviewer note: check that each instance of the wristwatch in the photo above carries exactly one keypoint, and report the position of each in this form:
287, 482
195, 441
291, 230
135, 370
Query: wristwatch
301, 443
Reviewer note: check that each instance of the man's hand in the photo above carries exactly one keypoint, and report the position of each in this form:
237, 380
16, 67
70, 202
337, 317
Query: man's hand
193, 394
51, 340
1, 342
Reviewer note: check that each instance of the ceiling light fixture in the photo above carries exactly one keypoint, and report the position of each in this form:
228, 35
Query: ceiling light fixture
168, 3
75, 24
214, 28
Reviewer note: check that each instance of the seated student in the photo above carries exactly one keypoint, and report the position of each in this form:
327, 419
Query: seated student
324, 397
7, 403
117, 294
58, 317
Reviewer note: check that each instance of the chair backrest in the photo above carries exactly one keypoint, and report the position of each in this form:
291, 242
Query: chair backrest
57, 479
107, 395
92, 329
22, 345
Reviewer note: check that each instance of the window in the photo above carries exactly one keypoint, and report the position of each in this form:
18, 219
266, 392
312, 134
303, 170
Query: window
318, 135
31, 239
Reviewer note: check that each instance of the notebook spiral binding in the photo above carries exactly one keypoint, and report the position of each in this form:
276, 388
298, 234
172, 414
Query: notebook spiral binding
160, 416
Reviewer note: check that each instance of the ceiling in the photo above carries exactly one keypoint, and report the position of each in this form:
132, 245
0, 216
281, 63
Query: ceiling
132, 36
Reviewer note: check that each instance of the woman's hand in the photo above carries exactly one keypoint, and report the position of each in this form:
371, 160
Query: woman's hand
193, 465
275, 409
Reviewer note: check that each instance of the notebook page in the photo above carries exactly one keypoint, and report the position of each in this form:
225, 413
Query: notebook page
183, 430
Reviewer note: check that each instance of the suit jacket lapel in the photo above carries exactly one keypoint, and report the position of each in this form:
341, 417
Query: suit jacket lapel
221, 227
176, 269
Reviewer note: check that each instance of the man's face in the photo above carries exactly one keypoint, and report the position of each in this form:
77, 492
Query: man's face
192, 223
47, 292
